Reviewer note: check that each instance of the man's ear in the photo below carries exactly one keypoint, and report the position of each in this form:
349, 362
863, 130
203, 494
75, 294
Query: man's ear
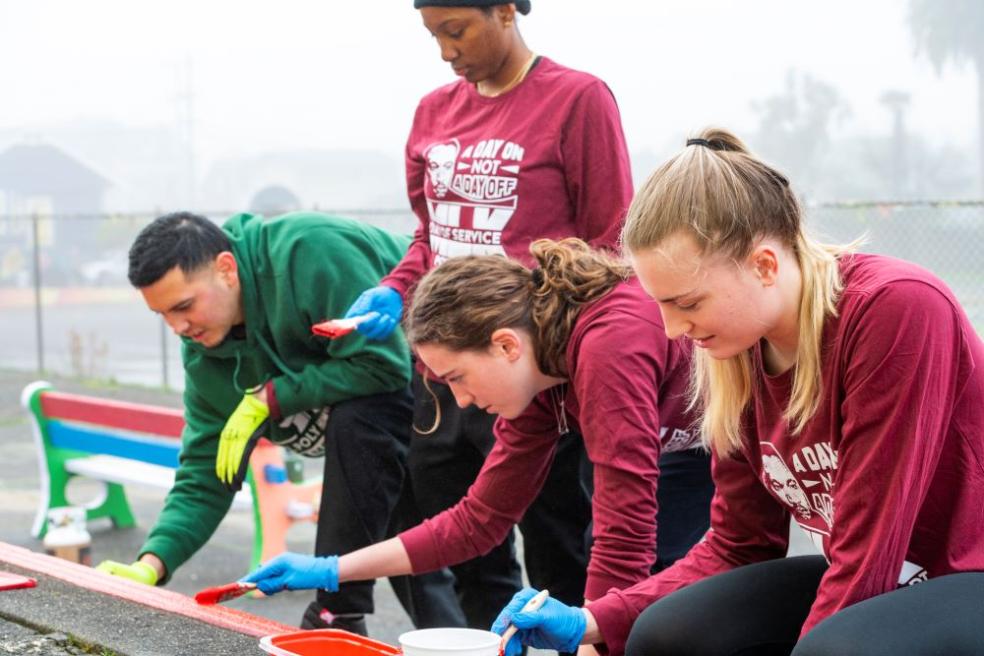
507, 343
227, 268
763, 262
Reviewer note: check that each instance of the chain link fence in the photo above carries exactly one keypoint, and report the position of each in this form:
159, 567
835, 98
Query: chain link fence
66, 306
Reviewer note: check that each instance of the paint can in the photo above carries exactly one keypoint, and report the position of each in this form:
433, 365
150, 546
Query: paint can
67, 537
450, 642
318, 642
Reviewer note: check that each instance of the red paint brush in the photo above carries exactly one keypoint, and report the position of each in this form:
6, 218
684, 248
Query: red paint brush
10, 581
220, 593
337, 327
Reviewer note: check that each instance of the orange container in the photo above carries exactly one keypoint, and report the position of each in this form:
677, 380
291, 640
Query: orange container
324, 642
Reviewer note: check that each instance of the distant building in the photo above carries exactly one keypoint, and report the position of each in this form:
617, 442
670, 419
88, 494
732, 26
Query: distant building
326, 179
43, 180
273, 200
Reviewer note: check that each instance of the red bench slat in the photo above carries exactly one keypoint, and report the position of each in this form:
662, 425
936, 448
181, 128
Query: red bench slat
168, 422
159, 598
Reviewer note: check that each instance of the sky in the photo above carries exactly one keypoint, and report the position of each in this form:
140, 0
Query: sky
332, 74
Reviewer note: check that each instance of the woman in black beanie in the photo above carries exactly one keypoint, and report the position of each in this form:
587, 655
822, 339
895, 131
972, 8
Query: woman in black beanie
519, 148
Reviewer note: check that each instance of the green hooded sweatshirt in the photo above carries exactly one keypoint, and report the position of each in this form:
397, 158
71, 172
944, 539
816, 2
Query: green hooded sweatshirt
295, 270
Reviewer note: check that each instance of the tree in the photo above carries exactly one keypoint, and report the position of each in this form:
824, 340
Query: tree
795, 128
951, 30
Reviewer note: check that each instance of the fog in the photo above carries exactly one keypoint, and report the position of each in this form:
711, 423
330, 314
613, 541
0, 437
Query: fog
201, 103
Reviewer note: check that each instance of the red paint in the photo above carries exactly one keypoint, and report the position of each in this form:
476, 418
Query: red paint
320, 642
168, 422
333, 328
220, 593
10, 581
158, 598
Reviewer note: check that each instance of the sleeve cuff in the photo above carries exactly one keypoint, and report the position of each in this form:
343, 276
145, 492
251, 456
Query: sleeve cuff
421, 549
272, 403
394, 282
615, 619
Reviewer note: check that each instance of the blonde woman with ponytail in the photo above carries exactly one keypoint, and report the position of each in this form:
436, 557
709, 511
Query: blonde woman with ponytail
839, 390
572, 345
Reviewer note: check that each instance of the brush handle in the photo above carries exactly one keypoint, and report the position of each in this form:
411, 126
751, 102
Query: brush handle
531, 605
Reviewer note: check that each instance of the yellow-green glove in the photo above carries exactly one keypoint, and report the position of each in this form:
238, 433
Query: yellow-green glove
243, 429
139, 572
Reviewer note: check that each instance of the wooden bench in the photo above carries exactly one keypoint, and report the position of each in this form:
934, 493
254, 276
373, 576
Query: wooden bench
124, 444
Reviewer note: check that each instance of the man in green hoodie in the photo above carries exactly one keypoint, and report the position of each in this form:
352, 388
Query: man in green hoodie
243, 299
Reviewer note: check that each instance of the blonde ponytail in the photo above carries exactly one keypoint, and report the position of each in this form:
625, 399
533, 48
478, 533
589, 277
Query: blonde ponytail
724, 197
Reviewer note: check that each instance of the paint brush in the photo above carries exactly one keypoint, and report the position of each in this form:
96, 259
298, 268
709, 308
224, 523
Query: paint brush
11, 581
531, 605
334, 328
220, 593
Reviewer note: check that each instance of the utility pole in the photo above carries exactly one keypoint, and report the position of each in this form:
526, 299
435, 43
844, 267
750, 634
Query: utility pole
897, 103
184, 104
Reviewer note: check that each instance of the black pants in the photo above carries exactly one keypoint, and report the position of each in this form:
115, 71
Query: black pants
759, 609
366, 498
445, 463
684, 496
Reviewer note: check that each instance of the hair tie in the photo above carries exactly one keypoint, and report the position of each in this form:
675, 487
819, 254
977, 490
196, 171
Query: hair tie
700, 142
537, 275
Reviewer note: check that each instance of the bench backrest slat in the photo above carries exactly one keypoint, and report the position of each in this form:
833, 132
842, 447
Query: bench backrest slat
78, 437
167, 422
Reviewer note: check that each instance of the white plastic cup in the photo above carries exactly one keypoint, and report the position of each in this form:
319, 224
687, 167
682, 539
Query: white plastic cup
450, 642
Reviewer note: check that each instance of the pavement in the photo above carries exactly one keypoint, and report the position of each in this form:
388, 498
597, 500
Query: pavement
225, 558
63, 618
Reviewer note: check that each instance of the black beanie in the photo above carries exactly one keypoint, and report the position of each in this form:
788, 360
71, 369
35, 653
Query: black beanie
522, 6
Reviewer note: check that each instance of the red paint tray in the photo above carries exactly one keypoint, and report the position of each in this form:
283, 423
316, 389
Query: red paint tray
320, 642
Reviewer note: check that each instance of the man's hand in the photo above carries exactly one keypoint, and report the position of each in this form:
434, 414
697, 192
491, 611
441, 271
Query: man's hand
291, 571
138, 571
384, 307
554, 626
244, 428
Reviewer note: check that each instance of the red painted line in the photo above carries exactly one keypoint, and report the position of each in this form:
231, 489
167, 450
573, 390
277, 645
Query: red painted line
157, 598
156, 420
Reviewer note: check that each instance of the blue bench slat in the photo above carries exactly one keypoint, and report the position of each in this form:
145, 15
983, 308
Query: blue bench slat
144, 449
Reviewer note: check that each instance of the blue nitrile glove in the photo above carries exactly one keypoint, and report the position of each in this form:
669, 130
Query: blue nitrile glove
292, 571
384, 305
554, 626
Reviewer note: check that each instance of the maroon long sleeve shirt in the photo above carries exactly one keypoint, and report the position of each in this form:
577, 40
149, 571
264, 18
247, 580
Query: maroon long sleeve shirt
888, 475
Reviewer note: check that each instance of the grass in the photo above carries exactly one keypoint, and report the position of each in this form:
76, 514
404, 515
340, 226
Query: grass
89, 648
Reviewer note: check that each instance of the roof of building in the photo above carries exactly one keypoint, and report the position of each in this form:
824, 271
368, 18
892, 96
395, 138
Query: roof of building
45, 169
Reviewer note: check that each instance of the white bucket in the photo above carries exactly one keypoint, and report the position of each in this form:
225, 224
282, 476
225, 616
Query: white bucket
450, 642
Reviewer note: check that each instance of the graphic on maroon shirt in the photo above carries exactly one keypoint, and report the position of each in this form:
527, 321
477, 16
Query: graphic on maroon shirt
804, 485
805, 488
471, 195
679, 440
783, 484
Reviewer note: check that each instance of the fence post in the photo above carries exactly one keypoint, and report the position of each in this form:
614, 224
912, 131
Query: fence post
38, 329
